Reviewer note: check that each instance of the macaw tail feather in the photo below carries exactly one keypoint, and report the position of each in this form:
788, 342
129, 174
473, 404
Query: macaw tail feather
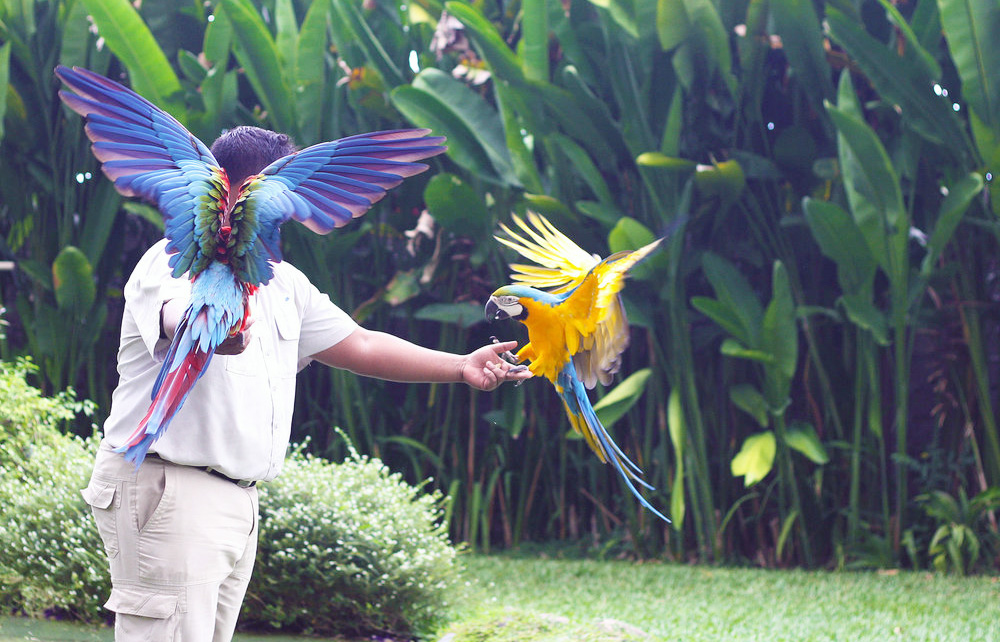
584, 419
173, 385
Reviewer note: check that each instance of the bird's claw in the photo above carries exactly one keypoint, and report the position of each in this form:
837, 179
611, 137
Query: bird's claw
514, 369
508, 356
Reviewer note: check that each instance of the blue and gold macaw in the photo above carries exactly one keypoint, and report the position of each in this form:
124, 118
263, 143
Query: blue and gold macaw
577, 329
225, 237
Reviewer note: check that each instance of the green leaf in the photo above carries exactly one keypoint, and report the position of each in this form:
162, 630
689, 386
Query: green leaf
723, 315
873, 191
656, 159
534, 44
914, 47
695, 26
972, 30
901, 83
504, 63
786, 530
456, 206
734, 292
353, 21
622, 12
755, 459
723, 180
582, 165
287, 34
802, 437
802, 40
132, 42
464, 315
146, 212
672, 24
474, 131
840, 240
780, 338
678, 437
310, 71
622, 397
76, 49
4, 81
608, 215
191, 67
748, 399
733, 348
403, 287
258, 55
511, 413
73, 281
952, 210
548, 206
629, 234
863, 313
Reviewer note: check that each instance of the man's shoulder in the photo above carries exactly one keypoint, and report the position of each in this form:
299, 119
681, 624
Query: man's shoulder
286, 272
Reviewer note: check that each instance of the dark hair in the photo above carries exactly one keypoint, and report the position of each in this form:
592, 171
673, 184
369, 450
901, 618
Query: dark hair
243, 151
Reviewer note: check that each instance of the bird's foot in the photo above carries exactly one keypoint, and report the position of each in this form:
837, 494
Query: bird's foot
508, 356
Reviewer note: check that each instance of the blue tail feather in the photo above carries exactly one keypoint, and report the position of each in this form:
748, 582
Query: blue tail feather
629, 472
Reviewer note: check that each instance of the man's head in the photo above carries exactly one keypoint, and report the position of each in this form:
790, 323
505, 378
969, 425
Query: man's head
244, 151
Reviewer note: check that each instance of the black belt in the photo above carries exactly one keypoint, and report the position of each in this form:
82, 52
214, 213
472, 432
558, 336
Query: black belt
242, 483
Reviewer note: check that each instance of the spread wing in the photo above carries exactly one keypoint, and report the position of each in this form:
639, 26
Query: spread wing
599, 330
562, 264
148, 154
596, 325
327, 185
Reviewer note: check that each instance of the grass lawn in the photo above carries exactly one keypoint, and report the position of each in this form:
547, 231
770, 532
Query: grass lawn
510, 599
697, 603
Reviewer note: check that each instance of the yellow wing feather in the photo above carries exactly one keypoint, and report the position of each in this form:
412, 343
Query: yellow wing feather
590, 326
565, 264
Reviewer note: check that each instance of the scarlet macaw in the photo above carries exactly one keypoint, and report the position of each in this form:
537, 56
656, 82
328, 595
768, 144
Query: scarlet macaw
225, 239
577, 329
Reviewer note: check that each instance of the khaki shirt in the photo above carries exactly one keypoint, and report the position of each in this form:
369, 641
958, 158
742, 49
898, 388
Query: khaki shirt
238, 417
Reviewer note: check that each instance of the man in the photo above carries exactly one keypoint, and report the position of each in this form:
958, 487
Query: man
180, 531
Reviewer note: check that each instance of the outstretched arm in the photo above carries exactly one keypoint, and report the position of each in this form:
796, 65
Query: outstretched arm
386, 356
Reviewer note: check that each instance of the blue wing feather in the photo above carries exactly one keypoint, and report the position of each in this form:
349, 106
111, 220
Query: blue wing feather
147, 153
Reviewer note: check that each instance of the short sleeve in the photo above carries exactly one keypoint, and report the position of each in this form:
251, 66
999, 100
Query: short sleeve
149, 287
323, 323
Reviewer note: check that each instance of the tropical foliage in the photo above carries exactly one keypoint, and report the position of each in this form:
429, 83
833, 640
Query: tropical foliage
815, 343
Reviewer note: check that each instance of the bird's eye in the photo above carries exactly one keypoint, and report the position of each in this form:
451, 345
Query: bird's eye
508, 300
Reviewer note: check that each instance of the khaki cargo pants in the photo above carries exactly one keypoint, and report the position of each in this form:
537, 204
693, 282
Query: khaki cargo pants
181, 546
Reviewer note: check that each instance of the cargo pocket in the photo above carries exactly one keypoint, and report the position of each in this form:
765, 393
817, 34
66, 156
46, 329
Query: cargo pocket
141, 614
104, 498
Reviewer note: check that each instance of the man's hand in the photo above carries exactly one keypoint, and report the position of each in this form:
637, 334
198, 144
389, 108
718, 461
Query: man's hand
484, 369
237, 343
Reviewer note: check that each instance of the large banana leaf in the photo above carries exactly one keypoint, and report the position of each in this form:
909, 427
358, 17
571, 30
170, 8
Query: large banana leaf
129, 38
450, 108
904, 84
972, 29
258, 54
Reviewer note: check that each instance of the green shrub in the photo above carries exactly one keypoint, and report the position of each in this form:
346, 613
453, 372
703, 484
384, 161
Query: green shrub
348, 548
51, 558
28, 419
343, 547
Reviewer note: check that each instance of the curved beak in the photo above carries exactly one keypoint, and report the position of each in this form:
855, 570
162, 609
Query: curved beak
493, 311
